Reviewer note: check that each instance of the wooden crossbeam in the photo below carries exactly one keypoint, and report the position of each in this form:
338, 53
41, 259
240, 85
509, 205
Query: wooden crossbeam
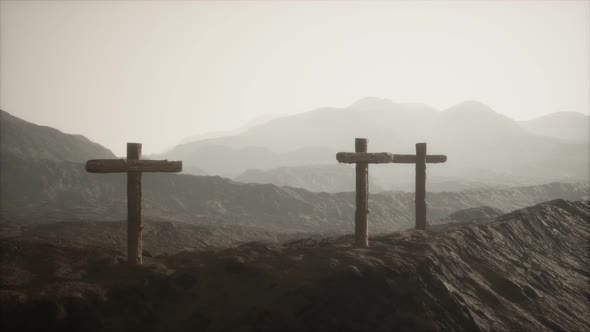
130, 165
134, 167
385, 158
364, 157
411, 159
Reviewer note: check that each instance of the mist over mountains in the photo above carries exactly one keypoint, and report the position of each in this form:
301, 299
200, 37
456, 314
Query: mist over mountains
191, 180
39, 186
485, 148
571, 126
318, 178
479, 267
45, 191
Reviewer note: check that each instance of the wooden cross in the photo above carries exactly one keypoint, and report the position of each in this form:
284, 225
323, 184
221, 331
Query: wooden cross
362, 159
133, 166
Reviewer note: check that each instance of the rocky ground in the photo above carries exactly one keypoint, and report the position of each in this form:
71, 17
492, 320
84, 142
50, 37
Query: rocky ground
159, 237
528, 270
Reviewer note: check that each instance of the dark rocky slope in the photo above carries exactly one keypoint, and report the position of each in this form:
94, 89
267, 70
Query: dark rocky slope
477, 215
159, 237
528, 270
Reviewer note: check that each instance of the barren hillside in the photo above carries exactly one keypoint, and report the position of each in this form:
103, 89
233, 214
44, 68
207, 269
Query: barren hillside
527, 270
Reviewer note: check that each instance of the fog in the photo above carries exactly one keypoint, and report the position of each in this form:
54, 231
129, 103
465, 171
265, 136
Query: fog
307, 165
157, 72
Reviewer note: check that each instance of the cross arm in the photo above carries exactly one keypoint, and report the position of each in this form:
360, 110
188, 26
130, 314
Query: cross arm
125, 165
385, 157
364, 157
411, 158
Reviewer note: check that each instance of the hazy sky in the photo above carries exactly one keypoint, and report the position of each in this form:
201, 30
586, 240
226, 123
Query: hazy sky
156, 72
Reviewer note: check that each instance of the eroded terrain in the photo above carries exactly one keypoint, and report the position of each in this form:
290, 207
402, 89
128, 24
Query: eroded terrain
526, 270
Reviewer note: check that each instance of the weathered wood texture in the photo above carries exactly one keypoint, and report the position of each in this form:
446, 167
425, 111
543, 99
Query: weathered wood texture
130, 165
362, 197
385, 157
134, 219
420, 202
364, 157
133, 166
411, 159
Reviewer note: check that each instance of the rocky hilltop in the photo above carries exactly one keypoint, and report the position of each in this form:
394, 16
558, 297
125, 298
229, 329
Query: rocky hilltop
159, 237
528, 270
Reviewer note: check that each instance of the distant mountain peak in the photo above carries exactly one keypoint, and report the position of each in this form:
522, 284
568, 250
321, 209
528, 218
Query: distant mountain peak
476, 117
470, 106
478, 111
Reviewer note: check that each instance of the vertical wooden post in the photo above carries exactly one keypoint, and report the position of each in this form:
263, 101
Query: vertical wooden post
134, 245
420, 186
361, 230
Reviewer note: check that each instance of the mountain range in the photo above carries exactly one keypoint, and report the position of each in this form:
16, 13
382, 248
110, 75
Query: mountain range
317, 178
479, 267
35, 189
571, 126
46, 191
484, 148
28, 141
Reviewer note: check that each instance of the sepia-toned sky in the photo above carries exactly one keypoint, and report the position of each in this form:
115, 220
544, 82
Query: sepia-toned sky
158, 71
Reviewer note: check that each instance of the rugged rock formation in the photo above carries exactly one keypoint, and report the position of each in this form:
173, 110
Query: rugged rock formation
159, 237
528, 270
477, 215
